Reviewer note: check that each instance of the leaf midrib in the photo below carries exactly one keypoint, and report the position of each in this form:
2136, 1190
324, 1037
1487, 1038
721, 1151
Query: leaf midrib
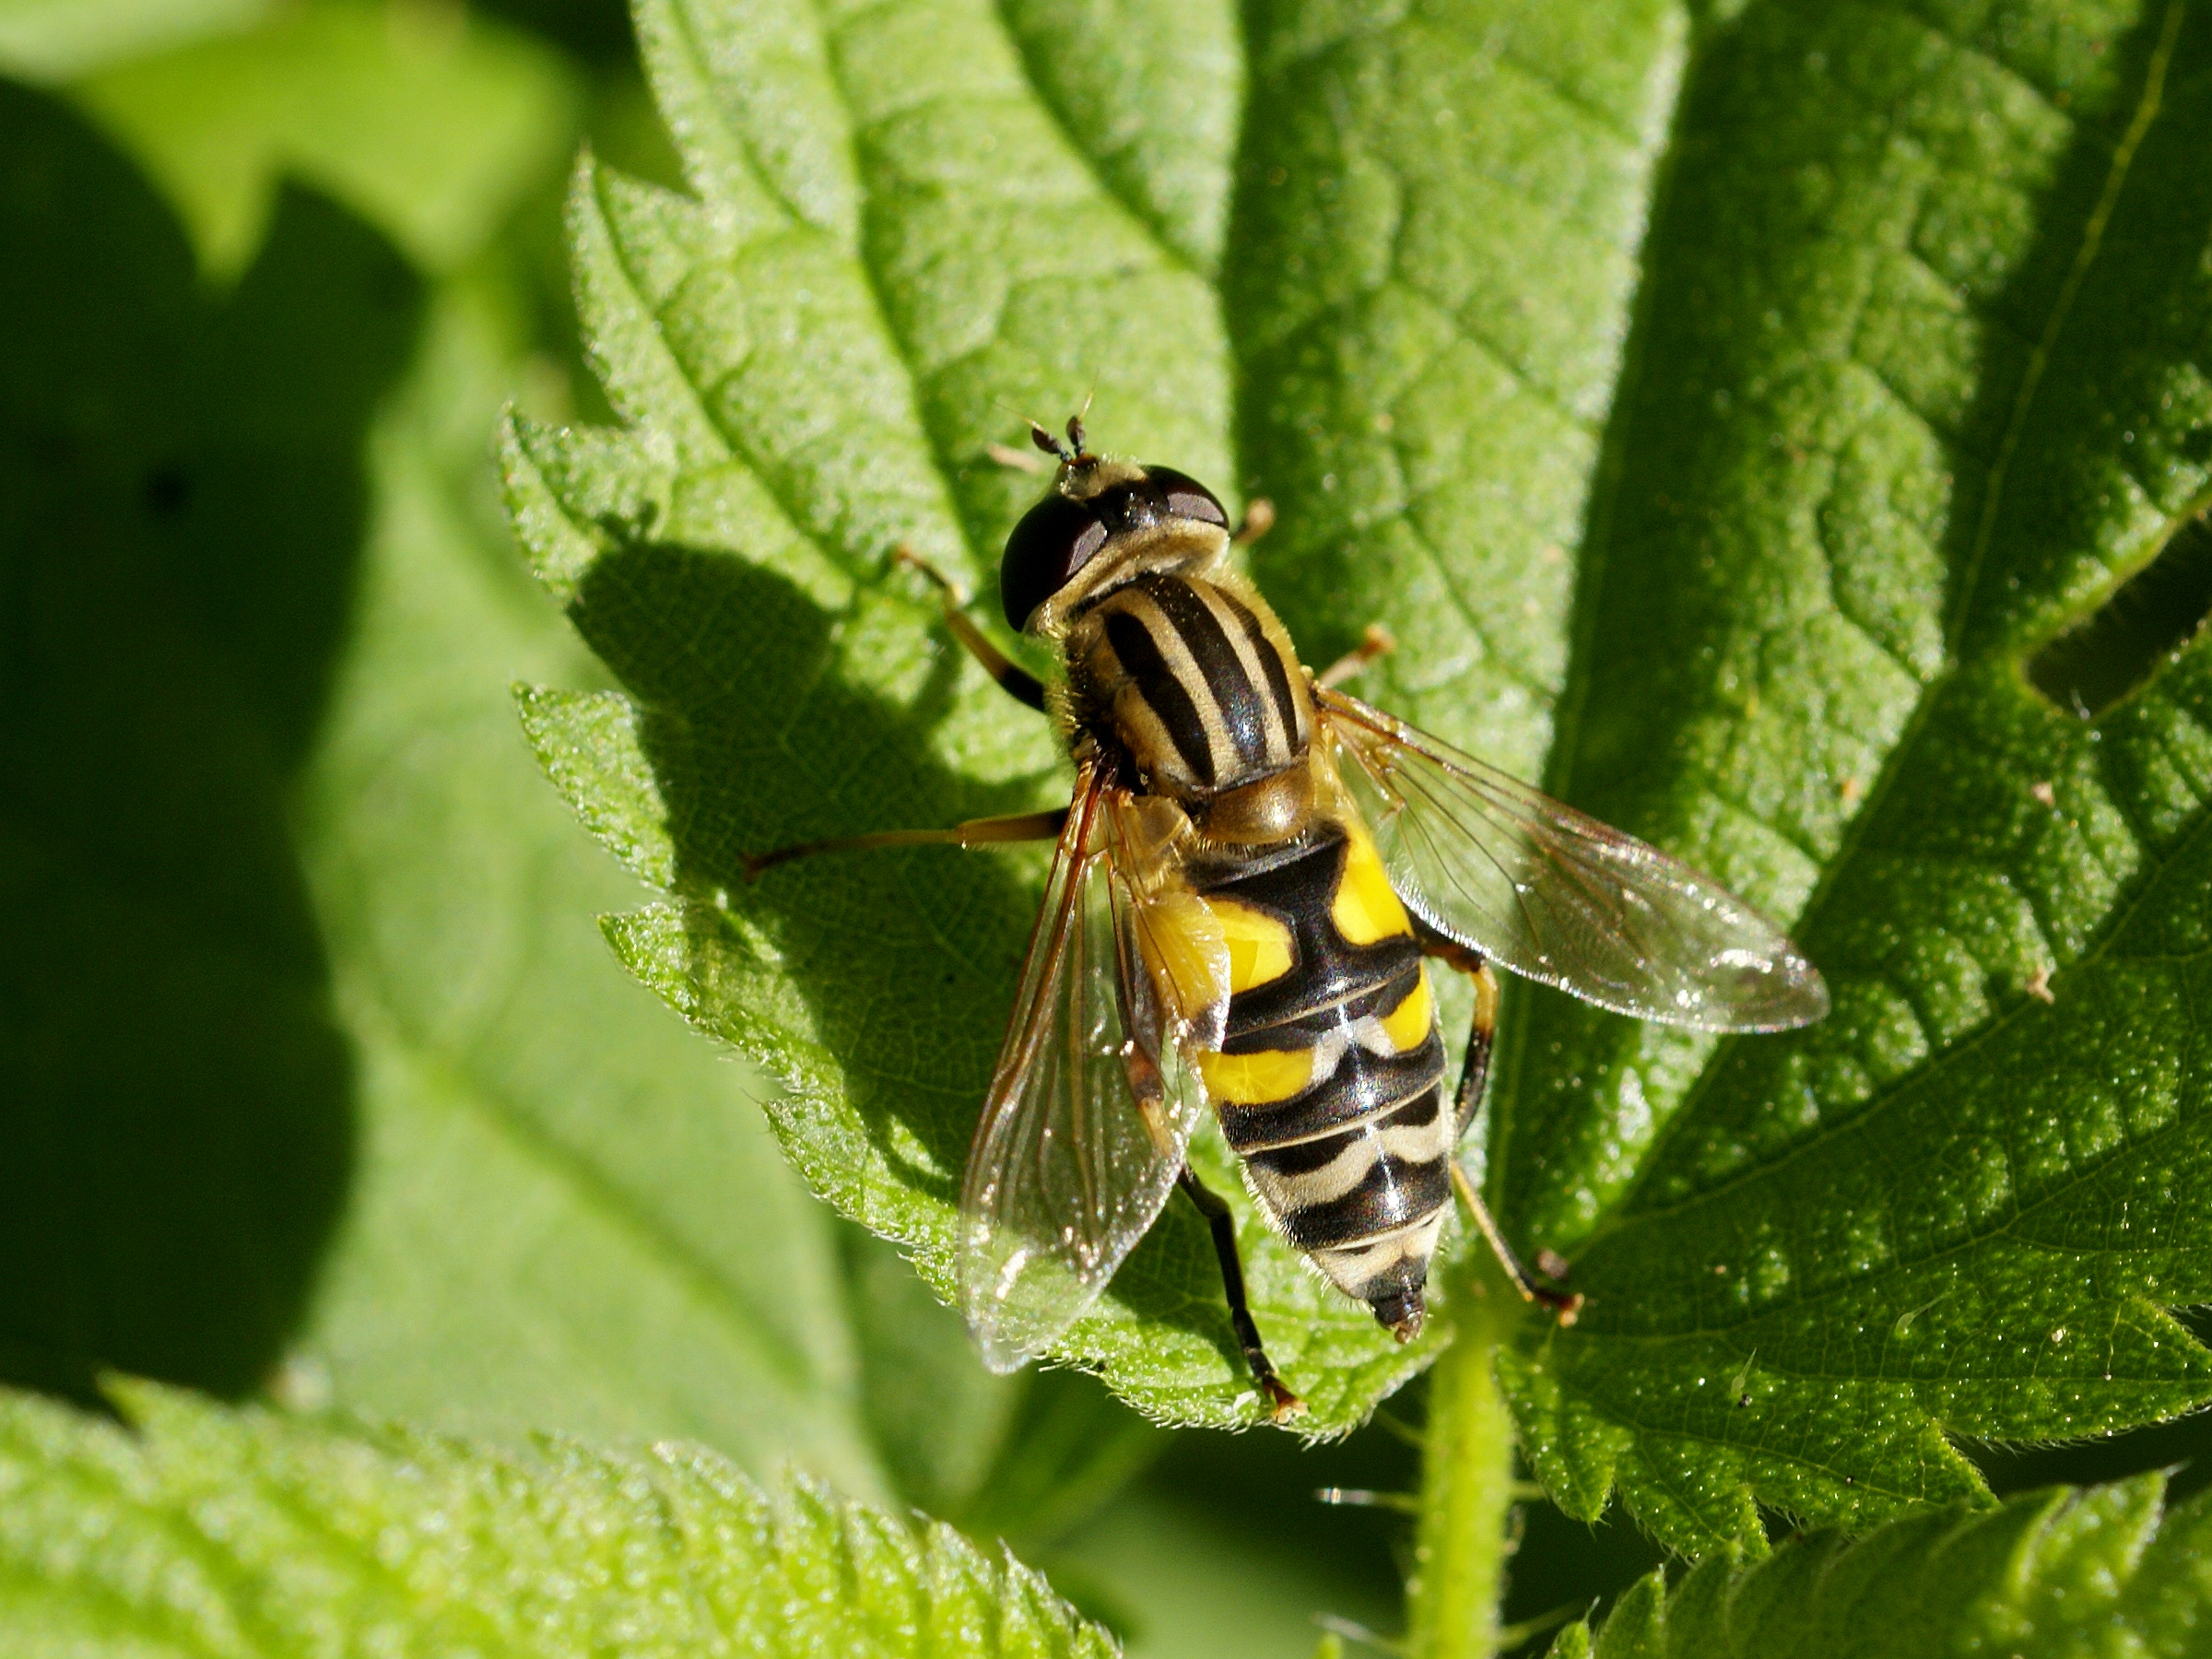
2147, 104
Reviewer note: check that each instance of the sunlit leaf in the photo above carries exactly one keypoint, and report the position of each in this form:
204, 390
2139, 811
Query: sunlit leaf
910, 220
2050, 1574
1900, 373
195, 1530
1935, 351
426, 123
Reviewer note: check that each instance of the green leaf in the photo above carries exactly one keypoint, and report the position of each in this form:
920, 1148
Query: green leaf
2050, 1574
184, 502
1019, 1457
222, 1532
427, 123
1742, 496
1926, 379
56, 39
385, 1120
266, 627
906, 218
566, 1214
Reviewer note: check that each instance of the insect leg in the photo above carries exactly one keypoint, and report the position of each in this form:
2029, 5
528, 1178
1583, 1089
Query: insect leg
975, 832
1376, 642
1018, 682
1218, 1221
1473, 1073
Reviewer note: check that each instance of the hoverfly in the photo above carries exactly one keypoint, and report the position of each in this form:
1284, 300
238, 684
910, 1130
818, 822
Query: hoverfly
1250, 879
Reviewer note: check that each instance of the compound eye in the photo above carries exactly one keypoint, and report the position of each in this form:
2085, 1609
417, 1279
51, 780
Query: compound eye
1054, 540
1186, 498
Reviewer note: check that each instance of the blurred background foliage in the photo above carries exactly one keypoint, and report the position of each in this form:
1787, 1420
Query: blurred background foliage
317, 1083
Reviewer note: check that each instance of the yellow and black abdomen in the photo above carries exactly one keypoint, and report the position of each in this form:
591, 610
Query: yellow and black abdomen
1330, 1079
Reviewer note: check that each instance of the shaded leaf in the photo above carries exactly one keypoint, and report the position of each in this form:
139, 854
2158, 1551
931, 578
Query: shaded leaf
267, 811
1023, 1458
566, 1215
185, 500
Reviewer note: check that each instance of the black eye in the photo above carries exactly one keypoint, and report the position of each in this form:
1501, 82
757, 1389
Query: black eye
1186, 498
1055, 539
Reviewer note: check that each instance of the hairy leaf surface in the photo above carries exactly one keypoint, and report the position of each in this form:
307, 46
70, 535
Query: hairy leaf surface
1722, 404
2050, 1574
1933, 383
199, 1530
908, 219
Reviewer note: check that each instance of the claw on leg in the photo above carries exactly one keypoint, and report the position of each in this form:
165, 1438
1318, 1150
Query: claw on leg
1566, 1304
1016, 682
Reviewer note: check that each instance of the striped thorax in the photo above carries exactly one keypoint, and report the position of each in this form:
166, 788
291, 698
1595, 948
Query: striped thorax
1197, 682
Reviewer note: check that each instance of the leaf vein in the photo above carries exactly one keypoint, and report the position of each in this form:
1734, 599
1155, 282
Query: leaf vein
2092, 238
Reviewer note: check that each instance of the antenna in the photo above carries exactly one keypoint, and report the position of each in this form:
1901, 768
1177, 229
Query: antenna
1075, 421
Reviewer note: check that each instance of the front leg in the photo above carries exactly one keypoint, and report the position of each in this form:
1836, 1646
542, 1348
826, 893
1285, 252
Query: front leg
1015, 680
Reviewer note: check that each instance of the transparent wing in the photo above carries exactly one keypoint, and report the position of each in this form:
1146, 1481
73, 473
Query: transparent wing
1068, 1170
1551, 894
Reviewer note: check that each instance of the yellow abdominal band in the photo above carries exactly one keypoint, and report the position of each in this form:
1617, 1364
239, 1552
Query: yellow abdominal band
1366, 907
1259, 946
1258, 1079
1407, 1025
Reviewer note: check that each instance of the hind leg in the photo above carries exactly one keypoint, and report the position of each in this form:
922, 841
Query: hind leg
1220, 1221
1141, 1019
1473, 1073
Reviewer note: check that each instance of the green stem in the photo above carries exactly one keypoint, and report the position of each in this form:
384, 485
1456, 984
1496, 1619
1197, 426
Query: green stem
1467, 1488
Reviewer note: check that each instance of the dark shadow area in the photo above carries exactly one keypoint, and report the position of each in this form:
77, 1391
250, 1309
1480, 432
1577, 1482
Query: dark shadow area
1024, 1459
2185, 1447
597, 31
1353, 1550
1070, 1449
2151, 615
182, 509
909, 960
1564, 1569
